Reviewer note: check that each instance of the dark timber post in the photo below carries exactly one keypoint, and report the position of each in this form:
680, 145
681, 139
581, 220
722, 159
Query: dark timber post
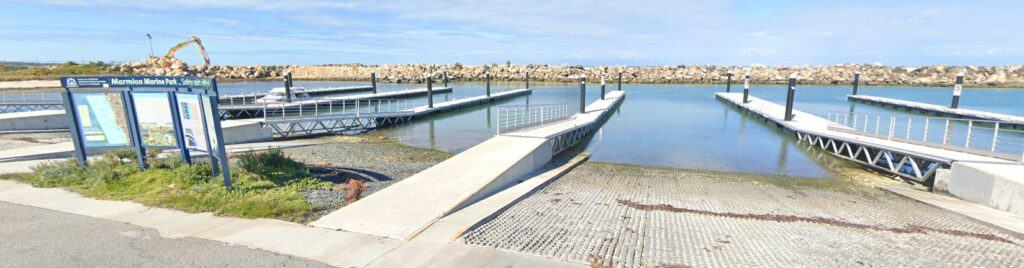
957, 89
728, 81
373, 81
445, 78
746, 87
527, 80
856, 82
583, 94
620, 81
602, 86
487, 80
288, 86
430, 91
789, 97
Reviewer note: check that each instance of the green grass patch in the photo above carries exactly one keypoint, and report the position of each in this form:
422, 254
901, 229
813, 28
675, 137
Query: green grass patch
8, 72
266, 184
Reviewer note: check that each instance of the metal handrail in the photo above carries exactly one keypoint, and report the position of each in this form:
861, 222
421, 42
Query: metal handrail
985, 137
241, 99
15, 97
328, 108
519, 117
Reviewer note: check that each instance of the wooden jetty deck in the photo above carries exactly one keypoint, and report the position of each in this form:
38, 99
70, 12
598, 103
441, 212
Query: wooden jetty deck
403, 210
1009, 120
912, 161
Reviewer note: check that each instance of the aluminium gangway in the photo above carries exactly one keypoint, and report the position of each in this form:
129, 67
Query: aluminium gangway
918, 162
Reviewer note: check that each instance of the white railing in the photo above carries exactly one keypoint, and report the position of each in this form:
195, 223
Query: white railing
241, 99
984, 137
328, 108
520, 117
15, 97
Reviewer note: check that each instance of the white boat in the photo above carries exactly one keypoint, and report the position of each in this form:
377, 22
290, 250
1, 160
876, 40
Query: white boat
277, 95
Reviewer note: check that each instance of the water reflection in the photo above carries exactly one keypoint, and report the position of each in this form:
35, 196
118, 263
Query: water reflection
679, 125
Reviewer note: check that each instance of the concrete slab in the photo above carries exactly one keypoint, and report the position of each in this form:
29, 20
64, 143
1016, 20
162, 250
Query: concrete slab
33, 120
993, 217
332, 247
53, 152
245, 131
402, 210
453, 226
997, 185
30, 84
413, 254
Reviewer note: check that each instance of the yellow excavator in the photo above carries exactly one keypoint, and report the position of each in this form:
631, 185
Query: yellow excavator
194, 39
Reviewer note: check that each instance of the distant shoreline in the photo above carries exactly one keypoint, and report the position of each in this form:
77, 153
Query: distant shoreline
737, 85
1011, 76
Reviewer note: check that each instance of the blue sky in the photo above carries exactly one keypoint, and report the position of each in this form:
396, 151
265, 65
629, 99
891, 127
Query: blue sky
595, 32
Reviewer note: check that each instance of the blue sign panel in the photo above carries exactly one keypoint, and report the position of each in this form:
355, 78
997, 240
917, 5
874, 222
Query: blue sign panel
137, 81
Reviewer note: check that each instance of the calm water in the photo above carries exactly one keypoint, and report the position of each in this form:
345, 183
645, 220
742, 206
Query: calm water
669, 125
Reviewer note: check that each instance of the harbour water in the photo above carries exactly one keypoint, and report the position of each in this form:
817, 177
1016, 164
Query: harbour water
668, 125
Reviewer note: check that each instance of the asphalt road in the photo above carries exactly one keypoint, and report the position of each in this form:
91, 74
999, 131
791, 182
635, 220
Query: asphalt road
35, 237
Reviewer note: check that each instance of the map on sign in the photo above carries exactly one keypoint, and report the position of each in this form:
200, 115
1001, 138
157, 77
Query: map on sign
155, 120
102, 119
192, 122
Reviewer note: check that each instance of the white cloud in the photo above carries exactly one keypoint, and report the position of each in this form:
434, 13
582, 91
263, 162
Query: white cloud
581, 31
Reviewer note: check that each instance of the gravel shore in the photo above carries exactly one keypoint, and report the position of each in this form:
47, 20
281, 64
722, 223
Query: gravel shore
379, 161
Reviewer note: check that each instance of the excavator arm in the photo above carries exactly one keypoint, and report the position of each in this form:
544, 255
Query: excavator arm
194, 39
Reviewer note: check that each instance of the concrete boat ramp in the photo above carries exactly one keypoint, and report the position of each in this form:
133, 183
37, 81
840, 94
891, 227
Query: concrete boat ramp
1007, 120
403, 210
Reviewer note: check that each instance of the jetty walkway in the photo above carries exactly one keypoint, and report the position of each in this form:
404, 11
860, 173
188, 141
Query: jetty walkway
362, 114
403, 210
249, 98
256, 110
1008, 120
913, 161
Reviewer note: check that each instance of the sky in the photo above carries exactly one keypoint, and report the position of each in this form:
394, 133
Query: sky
584, 32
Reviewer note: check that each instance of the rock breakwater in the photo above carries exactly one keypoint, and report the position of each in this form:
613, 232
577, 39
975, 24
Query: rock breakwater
871, 74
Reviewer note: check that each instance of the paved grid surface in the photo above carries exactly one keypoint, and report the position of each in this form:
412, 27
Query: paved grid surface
630, 216
35, 237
